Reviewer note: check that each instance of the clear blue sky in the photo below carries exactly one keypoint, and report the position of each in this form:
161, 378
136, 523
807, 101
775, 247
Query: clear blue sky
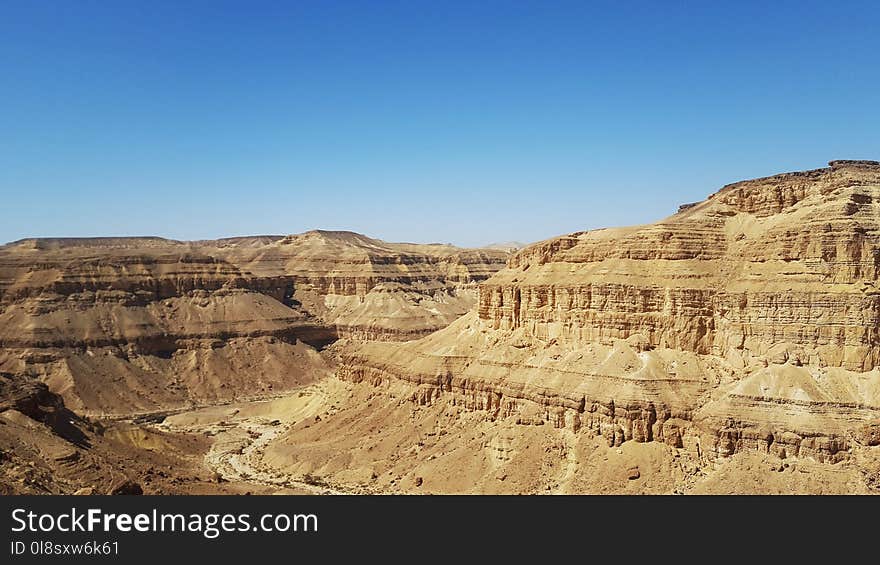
467, 122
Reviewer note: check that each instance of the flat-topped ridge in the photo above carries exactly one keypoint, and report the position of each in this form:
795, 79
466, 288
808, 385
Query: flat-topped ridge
833, 166
861, 164
97, 242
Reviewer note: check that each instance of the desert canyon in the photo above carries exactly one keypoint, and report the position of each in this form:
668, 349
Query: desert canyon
733, 347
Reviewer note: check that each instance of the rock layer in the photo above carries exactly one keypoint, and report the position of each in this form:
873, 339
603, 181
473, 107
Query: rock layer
120, 326
371, 289
747, 321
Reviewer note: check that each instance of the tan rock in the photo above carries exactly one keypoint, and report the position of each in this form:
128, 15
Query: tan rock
748, 319
127, 325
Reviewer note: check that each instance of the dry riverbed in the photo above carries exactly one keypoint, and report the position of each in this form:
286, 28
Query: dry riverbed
241, 432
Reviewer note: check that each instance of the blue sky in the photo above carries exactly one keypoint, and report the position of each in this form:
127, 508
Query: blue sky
467, 122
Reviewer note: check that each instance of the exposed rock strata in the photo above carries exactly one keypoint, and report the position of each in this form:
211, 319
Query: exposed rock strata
134, 325
371, 289
748, 321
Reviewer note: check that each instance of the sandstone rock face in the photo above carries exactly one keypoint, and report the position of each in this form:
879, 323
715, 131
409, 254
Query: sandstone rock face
790, 259
371, 289
748, 321
139, 325
730, 347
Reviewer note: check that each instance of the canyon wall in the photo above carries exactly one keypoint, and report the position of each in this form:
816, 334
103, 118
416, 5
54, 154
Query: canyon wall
748, 321
123, 326
371, 289
790, 259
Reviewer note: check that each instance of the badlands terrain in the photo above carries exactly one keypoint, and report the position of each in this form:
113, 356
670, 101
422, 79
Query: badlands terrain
733, 347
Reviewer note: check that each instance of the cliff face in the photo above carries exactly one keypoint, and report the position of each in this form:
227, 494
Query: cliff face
790, 259
371, 289
746, 321
132, 325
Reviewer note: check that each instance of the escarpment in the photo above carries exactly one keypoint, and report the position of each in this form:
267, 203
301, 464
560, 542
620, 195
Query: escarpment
787, 259
137, 325
371, 289
748, 321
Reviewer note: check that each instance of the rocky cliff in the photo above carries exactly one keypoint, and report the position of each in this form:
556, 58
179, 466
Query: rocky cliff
120, 326
744, 322
371, 289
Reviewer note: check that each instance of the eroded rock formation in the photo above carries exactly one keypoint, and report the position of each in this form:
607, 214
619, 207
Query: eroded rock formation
732, 347
748, 321
121, 326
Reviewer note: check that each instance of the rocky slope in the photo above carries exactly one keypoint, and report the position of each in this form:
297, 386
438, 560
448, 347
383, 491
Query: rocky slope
732, 347
370, 289
125, 326
102, 337
45, 448
743, 323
